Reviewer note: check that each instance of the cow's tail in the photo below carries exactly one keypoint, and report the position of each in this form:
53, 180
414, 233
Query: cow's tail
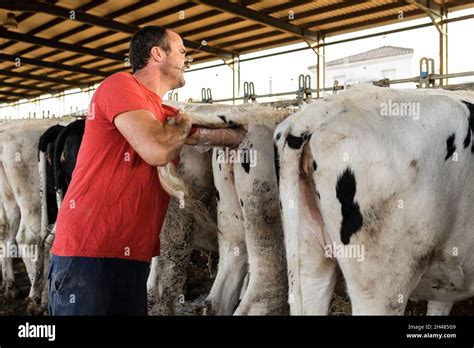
48, 137
58, 150
43, 194
176, 187
290, 196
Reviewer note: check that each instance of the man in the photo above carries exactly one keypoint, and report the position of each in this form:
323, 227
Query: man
108, 225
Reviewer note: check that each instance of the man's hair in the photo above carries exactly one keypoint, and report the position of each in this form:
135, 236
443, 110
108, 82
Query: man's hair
143, 41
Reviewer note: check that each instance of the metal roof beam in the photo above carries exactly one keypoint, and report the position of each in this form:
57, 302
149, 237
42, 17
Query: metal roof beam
276, 8
52, 23
60, 81
51, 65
359, 13
58, 45
28, 87
376, 21
20, 18
433, 11
31, 6
14, 94
260, 18
127, 9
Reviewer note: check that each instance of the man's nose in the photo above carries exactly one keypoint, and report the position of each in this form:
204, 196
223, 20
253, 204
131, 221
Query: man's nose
187, 62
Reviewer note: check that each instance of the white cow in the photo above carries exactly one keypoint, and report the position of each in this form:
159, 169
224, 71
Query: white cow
382, 179
181, 234
20, 201
251, 237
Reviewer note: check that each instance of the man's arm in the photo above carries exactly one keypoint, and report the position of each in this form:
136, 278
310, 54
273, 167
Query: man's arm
157, 144
216, 137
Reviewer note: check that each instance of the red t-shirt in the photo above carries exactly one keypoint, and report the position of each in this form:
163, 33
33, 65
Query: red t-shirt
115, 205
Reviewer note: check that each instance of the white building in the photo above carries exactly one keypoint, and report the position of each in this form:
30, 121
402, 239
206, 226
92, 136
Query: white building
383, 62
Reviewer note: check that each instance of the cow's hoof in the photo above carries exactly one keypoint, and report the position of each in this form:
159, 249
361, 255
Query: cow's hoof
207, 308
11, 292
33, 306
165, 308
41, 310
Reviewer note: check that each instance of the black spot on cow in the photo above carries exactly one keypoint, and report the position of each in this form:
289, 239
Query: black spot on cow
246, 160
220, 167
218, 197
278, 136
450, 146
241, 202
319, 196
470, 129
222, 117
315, 166
281, 207
276, 159
467, 139
351, 216
294, 142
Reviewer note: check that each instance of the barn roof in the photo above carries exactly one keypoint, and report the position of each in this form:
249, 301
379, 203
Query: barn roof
58, 45
376, 53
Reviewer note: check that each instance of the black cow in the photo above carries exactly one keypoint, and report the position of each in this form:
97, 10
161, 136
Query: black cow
65, 154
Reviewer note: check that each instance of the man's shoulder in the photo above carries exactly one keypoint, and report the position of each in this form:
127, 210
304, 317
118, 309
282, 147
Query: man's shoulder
118, 78
120, 81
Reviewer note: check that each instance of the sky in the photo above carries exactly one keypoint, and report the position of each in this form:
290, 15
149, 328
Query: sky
280, 73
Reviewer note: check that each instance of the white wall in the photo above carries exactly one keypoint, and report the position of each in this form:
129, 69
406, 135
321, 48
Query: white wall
367, 71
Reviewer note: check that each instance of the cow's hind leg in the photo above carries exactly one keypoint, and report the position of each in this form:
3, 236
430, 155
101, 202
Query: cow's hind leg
12, 221
168, 277
439, 308
232, 267
257, 189
168, 272
381, 282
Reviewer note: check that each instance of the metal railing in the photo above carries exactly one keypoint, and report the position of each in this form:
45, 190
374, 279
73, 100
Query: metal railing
426, 79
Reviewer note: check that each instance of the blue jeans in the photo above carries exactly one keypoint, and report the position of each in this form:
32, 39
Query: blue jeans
97, 286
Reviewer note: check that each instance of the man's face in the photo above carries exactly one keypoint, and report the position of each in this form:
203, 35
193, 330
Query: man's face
175, 62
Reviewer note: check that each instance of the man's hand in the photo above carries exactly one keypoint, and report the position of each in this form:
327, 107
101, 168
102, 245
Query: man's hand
184, 122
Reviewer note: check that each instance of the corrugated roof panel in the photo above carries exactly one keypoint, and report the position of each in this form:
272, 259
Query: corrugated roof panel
220, 29
109, 7
60, 28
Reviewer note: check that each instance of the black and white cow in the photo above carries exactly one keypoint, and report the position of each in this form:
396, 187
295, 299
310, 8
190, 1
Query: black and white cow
20, 200
251, 236
380, 181
58, 149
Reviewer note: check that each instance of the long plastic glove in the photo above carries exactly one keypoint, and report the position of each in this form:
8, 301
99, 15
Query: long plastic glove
220, 137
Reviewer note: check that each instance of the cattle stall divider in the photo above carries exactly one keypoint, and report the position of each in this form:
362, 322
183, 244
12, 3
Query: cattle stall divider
425, 79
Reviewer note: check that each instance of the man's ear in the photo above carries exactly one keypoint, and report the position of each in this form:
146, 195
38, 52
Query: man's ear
157, 54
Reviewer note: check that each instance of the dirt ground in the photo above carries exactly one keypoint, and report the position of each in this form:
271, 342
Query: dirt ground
200, 283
